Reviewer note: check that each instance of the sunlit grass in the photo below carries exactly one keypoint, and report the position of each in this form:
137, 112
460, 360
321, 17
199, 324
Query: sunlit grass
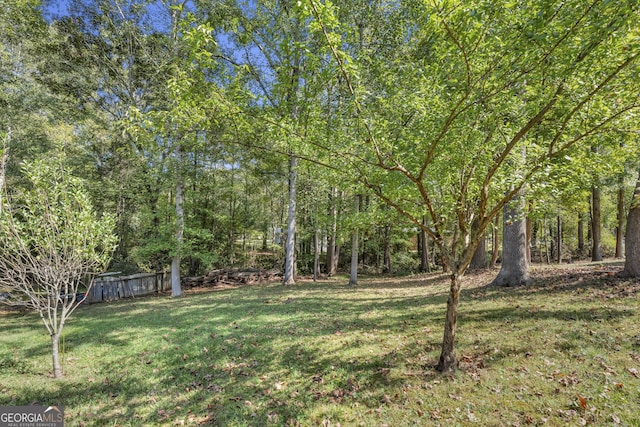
565, 351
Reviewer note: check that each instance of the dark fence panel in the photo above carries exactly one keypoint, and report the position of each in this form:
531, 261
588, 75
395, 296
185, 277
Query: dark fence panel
114, 288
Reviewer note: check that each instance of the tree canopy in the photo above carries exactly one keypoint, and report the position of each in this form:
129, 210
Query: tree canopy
219, 131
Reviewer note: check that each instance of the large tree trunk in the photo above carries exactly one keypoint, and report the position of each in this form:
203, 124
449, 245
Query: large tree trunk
55, 353
353, 276
514, 269
632, 237
596, 227
448, 361
621, 218
289, 264
479, 259
176, 288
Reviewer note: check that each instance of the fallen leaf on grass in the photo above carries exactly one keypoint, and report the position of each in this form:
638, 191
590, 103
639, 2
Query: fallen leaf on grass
583, 403
435, 414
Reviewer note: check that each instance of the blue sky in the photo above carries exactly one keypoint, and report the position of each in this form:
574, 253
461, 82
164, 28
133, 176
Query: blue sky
55, 8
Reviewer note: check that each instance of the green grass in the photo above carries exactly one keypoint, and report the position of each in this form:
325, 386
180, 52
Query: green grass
565, 351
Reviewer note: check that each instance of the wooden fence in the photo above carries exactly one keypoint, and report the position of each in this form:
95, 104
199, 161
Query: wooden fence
114, 288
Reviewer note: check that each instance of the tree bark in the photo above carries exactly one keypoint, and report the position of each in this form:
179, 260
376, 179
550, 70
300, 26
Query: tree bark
529, 235
596, 227
632, 237
289, 265
353, 276
479, 260
176, 288
581, 234
514, 269
425, 266
620, 218
448, 361
387, 249
559, 240
316, 255
55, 353
331, 243
495, 242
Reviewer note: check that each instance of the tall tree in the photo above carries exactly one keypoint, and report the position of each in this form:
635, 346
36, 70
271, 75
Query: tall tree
632, 236
514, 267
268, 42
479, 259
333, 249
596, 225
353, 270
620, 217
112, 58
476, 81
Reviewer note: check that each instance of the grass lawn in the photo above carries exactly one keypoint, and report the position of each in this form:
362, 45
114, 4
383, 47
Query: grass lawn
564, 351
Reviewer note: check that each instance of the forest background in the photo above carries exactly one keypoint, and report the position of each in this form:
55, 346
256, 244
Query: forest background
312, 137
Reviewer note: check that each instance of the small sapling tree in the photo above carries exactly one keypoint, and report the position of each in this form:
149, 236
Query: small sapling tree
52, 243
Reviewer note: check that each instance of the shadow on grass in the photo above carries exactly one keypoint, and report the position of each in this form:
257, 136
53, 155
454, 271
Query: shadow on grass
267, 354
550, 281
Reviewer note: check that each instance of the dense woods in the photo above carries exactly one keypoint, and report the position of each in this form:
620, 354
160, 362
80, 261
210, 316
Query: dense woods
317, 138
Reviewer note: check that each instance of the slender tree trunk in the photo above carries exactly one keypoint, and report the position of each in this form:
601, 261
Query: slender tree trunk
353, 276
448, 361
590, 227
544, 239
4, 155
495, 242
580, 234
514, 269
632, 237
55, 353
621, 218
559, 241
289, 266
547, 235
596, 227
387, 249
529, 234
176, 288
316, 255
231, 240
425, 266
331, 241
